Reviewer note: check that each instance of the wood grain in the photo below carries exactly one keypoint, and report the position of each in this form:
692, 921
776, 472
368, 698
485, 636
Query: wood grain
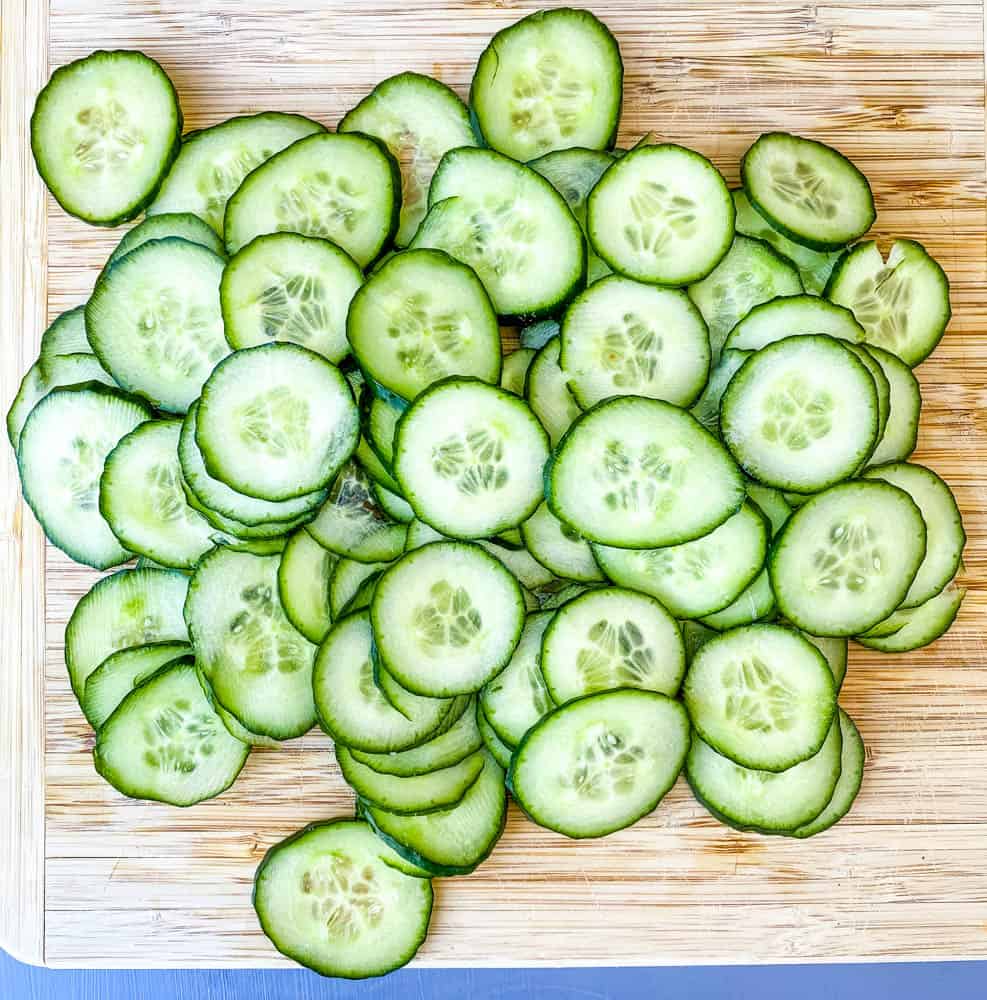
900, 87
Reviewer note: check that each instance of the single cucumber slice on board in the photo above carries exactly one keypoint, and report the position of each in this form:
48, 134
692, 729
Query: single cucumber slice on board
548, 394
913, 628
183, 225
303, 585
904, 409
793, 316
558, 548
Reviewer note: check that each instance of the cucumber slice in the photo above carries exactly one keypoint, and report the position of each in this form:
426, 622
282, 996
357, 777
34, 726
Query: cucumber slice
394, 506
552, 80
522, 565
364, 595
421, 317
419, 534
132, 607
847, 557
344, 188
761, 695
772, 504
510, 225
142, 500
807, 190
917, 627
835, 652
461, 628
380, 418
165, 742
677, 211
287, 287
801, 414
276, 422
258, 665
793, 316
902, 304
695, 635
267, 537
945, 536
707, 408
609, 638
303, 585
641, 473
558, 548
215, 160
620, 337
121, 672
104, 132
452, 841
600, 763
418, 119
515, 370
755, 603
904, 409
66, 335
469, 458
752, 272
183, 225
347, 579
548, 394
497, 749
537, 335
372, 465
699, 577
154, 321
329, 899
60, 457
240, 732
765, 801
409, 704
881, 384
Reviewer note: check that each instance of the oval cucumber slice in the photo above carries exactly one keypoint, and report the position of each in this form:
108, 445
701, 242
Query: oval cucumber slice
755, 603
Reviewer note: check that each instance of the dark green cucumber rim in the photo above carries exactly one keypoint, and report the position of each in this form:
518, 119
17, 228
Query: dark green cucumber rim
379, 92
532, 377
760, 615
906, 380
781, 302
884, 644
359, 594
262, 531
517, 759
163, 221
495, 746
44, 348
284, 586
367, 400
556, 570
237, 120
806, 239
135, 207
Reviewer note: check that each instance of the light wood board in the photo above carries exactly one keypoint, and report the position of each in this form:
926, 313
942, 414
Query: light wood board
90, 879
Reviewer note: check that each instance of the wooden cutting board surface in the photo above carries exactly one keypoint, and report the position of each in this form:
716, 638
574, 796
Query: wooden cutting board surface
88, 878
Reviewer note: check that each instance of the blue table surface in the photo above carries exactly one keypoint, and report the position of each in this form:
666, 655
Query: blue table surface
949, 981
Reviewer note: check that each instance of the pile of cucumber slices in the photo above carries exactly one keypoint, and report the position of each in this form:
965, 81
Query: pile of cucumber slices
633, 547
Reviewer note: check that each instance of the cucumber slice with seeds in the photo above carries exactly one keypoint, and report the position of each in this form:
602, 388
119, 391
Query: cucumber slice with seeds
303, 585
548, 394
915, 627
347, 579
793, 316
558, 548
496, 747
183, 225
515, 370
900, 433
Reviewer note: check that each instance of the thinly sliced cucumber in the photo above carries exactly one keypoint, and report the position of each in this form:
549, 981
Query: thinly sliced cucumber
267, 535
164, 742
903, 303
600, 763
154, 321
496, 747
558, 548
917, 627
801, 414
293, 288
677, 216
772, 504
762, 695
460, 629
765, 801
469, 458
364, 594
755, 603
847, 557
258, 664
329, 899
421, 317
372, 465
548, 394
303, 585
835, 652
641, 473
394, 506
530, 573
552, 80
609, 638
452, 841
183, 225
215, 160
347, 579
276, 422
412, 705
620, 337
752, 272
510, 225
699, 577
945, 536
538, 334
900, 433
515, 370
793, 316
344, 188
807, 190
380, 418
60, 456
418, 119
104, 132
881, 384
65, 335
237, 729
707, 408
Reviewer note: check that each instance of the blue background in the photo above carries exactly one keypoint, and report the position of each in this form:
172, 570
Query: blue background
948, 981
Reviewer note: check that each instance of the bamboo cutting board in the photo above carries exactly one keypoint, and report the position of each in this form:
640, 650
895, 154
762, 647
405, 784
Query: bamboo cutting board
90, 879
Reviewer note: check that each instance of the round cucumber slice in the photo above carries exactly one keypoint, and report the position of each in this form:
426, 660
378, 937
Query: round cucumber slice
347, 579
793, 316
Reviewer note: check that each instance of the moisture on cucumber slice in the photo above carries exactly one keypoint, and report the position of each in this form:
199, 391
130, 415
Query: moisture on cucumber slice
761, 695
184, 225
807, 190
515, 370
558, 548
847, 557
276, 422
621, 337
537, 335
548, 394
446, 619
303, 585
552, 80
104, 132
600, 763
213, 162
675, 210
641, 473
421, 317
755, 603
707, 408
902, 303
329, 898
793, 316
418, 119
496, 747
344, 188
258, 664
288, 287
904, 408
801, 414
154, 321
60, 456
913, 628
65, 335
347, 579
610, 637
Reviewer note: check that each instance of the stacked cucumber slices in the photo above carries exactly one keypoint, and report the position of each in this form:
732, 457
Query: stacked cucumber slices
634, 547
